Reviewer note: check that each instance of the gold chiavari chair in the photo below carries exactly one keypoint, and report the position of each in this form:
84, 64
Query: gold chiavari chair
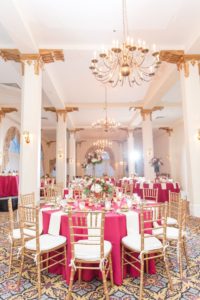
89, 250
28, 199
38, 248
49, 195
14, 235
124, 187
150, 194
172, 217
176, 236
147, 244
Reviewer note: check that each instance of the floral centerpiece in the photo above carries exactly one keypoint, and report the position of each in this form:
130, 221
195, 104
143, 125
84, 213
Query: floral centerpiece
98, 186
92, 158
156, 163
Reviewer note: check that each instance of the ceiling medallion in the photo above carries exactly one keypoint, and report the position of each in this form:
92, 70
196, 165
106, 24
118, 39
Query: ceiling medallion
130, 61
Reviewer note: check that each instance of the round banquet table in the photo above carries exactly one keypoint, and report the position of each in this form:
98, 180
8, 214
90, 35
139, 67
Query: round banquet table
163, 189
9, 186
115, 230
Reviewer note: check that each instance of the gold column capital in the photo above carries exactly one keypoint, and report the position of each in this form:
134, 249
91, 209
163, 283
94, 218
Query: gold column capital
181, 59
43, 56
61, 112
168, 130
147, 111
6, 110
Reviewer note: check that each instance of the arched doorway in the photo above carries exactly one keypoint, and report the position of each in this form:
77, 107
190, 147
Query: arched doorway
11, 150
106, 167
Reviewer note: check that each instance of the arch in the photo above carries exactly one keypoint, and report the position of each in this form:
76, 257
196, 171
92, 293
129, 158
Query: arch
107, 149
11, 133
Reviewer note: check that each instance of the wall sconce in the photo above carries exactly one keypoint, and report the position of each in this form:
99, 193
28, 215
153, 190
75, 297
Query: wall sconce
26, 137
60, 154
149, 152
198, 134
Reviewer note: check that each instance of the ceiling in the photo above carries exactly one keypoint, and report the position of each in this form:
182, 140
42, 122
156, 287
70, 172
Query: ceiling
80, 27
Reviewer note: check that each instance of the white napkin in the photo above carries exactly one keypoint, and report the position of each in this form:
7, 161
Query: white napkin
151, 185
54, 224
163, 186
132, 222
141, 185
40, 218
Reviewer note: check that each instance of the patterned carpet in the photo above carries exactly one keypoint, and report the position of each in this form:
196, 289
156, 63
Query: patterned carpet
155, 285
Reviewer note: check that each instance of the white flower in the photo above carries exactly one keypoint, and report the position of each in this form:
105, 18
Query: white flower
94, 160
96, 188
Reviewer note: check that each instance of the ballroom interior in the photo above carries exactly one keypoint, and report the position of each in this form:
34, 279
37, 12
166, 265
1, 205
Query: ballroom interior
100, 90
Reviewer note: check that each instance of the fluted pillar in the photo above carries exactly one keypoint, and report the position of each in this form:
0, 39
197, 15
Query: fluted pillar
130, 147
61, 147
190, 85
30, 145
72, 155
148, 151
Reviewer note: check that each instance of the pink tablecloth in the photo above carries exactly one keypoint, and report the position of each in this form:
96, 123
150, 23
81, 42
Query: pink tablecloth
115, 230
9, 186
163, 189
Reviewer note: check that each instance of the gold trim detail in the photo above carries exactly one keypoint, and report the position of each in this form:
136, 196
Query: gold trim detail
147, 111
6, 110
61, 112
181, 59
44, 56
167, 129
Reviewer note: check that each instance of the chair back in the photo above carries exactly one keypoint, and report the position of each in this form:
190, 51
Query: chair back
151, 216
150, 194
29, 224
49, 195
87, 226
28, 199
174, 205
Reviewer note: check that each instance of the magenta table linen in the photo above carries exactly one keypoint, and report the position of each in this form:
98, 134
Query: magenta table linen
163, 194
115, 230
9, 186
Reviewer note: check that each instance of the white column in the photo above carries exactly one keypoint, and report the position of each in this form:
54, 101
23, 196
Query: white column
29, 174
147, 137
72, 155
61, 147
130, 148
191, 110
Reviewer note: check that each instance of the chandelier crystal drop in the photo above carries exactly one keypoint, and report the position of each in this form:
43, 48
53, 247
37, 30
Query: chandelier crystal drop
131, 61
107, 123
102, 144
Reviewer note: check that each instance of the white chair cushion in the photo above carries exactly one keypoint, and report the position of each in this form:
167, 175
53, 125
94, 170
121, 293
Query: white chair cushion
134, 243
172, 233
17, 233
47, 242
171, 221
90, 252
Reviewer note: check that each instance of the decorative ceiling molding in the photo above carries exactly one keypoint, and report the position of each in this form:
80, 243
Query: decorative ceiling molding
145, 112
6, 110
168, 130
181, 59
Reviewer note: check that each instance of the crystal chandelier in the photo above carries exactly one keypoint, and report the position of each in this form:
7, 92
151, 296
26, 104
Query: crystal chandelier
107, 123
102, 144
129, 61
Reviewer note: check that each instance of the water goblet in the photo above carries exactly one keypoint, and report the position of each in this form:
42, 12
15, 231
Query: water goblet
107, 205
82, 205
